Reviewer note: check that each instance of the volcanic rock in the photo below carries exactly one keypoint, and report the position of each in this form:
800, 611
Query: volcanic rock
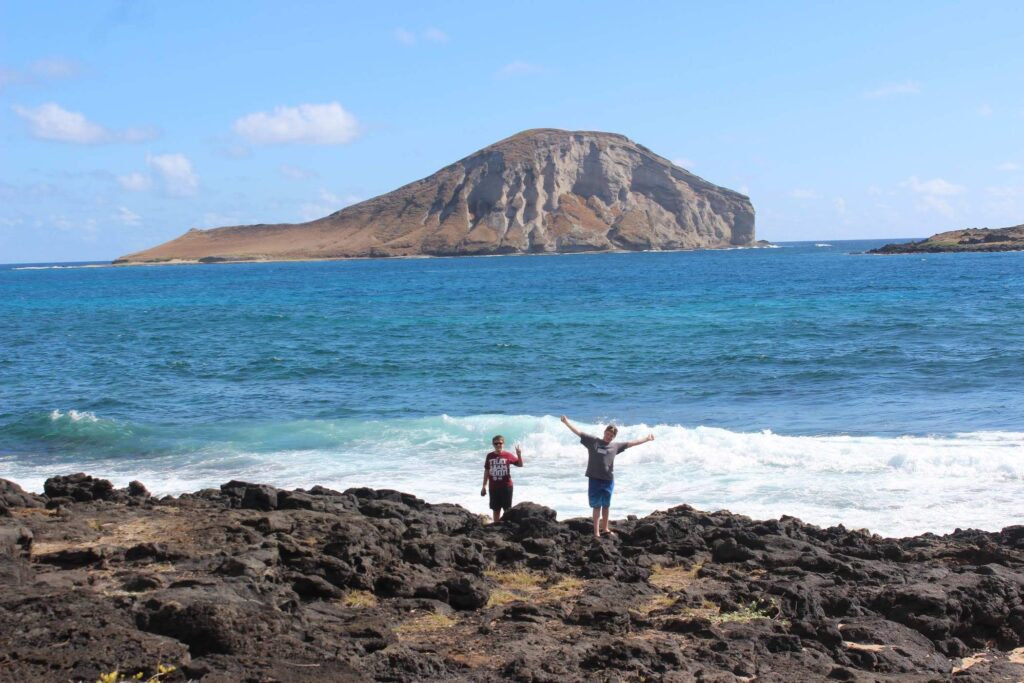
540, 191
971, 239
225, 584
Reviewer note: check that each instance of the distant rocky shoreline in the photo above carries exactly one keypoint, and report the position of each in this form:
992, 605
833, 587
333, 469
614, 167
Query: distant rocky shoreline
971, 239
252, 583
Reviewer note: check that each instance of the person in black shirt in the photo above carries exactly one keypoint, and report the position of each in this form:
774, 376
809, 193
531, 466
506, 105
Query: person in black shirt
600, 466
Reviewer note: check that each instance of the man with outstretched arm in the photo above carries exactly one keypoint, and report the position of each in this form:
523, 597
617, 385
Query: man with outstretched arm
499, 476
600, 463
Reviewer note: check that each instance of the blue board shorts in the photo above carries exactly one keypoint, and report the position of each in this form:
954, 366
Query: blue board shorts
600, 492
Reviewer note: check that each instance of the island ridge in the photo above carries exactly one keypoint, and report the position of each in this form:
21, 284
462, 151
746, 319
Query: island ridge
540, 191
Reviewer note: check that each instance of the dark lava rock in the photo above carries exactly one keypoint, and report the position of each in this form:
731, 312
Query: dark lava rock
13, 496
467, 592
137, 489
249, 582
79, 487
75, 557
605, 614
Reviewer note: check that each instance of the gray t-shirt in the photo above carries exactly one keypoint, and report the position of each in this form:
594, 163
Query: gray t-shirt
601, 460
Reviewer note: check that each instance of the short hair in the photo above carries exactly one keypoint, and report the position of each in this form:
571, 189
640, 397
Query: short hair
496, 437
612, 428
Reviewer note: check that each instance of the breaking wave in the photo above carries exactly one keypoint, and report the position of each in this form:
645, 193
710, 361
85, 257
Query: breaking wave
892, 485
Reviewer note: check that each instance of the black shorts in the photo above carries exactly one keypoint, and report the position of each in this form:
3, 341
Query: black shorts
501, 497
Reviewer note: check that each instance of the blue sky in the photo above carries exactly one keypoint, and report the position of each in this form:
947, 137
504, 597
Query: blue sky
124, 124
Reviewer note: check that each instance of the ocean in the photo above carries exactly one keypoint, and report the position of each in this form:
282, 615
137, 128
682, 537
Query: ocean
810, 379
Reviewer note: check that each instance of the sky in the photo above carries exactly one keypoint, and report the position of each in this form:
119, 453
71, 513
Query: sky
124, 124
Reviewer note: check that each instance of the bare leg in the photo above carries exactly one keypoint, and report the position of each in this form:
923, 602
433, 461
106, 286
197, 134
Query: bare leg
497, 515
597, 516
604, 519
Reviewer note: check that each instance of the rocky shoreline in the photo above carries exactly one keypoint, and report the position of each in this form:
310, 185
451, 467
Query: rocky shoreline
970, 239
251, 583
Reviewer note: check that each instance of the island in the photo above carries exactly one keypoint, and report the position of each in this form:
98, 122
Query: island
970, 239
540, 191
248, 582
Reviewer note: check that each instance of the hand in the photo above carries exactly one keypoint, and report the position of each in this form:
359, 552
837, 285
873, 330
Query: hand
650, 437
565, 420
483, 491
519, 450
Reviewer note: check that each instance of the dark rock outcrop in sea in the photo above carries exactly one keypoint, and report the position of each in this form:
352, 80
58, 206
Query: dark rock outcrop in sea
252, 583
971, 239
541, 191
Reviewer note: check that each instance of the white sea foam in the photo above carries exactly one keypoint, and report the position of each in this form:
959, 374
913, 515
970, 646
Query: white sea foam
822, 244
74, 416
90, 265
892, 485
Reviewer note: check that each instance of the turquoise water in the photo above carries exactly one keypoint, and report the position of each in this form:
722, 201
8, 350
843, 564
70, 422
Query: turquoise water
777, 380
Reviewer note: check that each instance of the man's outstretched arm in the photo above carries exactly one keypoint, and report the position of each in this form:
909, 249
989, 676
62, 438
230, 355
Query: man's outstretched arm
649, 437
571, 426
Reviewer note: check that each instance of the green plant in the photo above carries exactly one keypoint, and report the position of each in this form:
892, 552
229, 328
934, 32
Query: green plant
116, 676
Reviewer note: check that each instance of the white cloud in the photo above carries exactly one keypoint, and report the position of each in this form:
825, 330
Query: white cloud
175, 170
53, 122
234, 151
905, 88
328, 203
54, 67
934, 187
519, 68
86, 229
127, 216
933, 194
135, 182
50, 121
985, 110
935, 203
296, 172
318, 124
435, 35
40, 70
405, 37
802, 193
431, 34
683, 162
1008, 166
1005, 191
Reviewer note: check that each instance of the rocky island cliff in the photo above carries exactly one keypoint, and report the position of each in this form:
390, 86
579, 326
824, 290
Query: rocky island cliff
540, 191
247, 582
970, 239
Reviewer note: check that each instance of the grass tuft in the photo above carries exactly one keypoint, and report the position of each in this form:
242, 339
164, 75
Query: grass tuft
530, 587
425, 623
745, 613
118, 677
674, 578
359, 599
500, 596
515, 580
655, 603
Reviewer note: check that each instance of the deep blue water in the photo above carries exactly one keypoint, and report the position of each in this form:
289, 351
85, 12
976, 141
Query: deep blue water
203, 364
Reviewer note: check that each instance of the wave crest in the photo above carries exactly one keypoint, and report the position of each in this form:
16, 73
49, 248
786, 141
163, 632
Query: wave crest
893, 485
